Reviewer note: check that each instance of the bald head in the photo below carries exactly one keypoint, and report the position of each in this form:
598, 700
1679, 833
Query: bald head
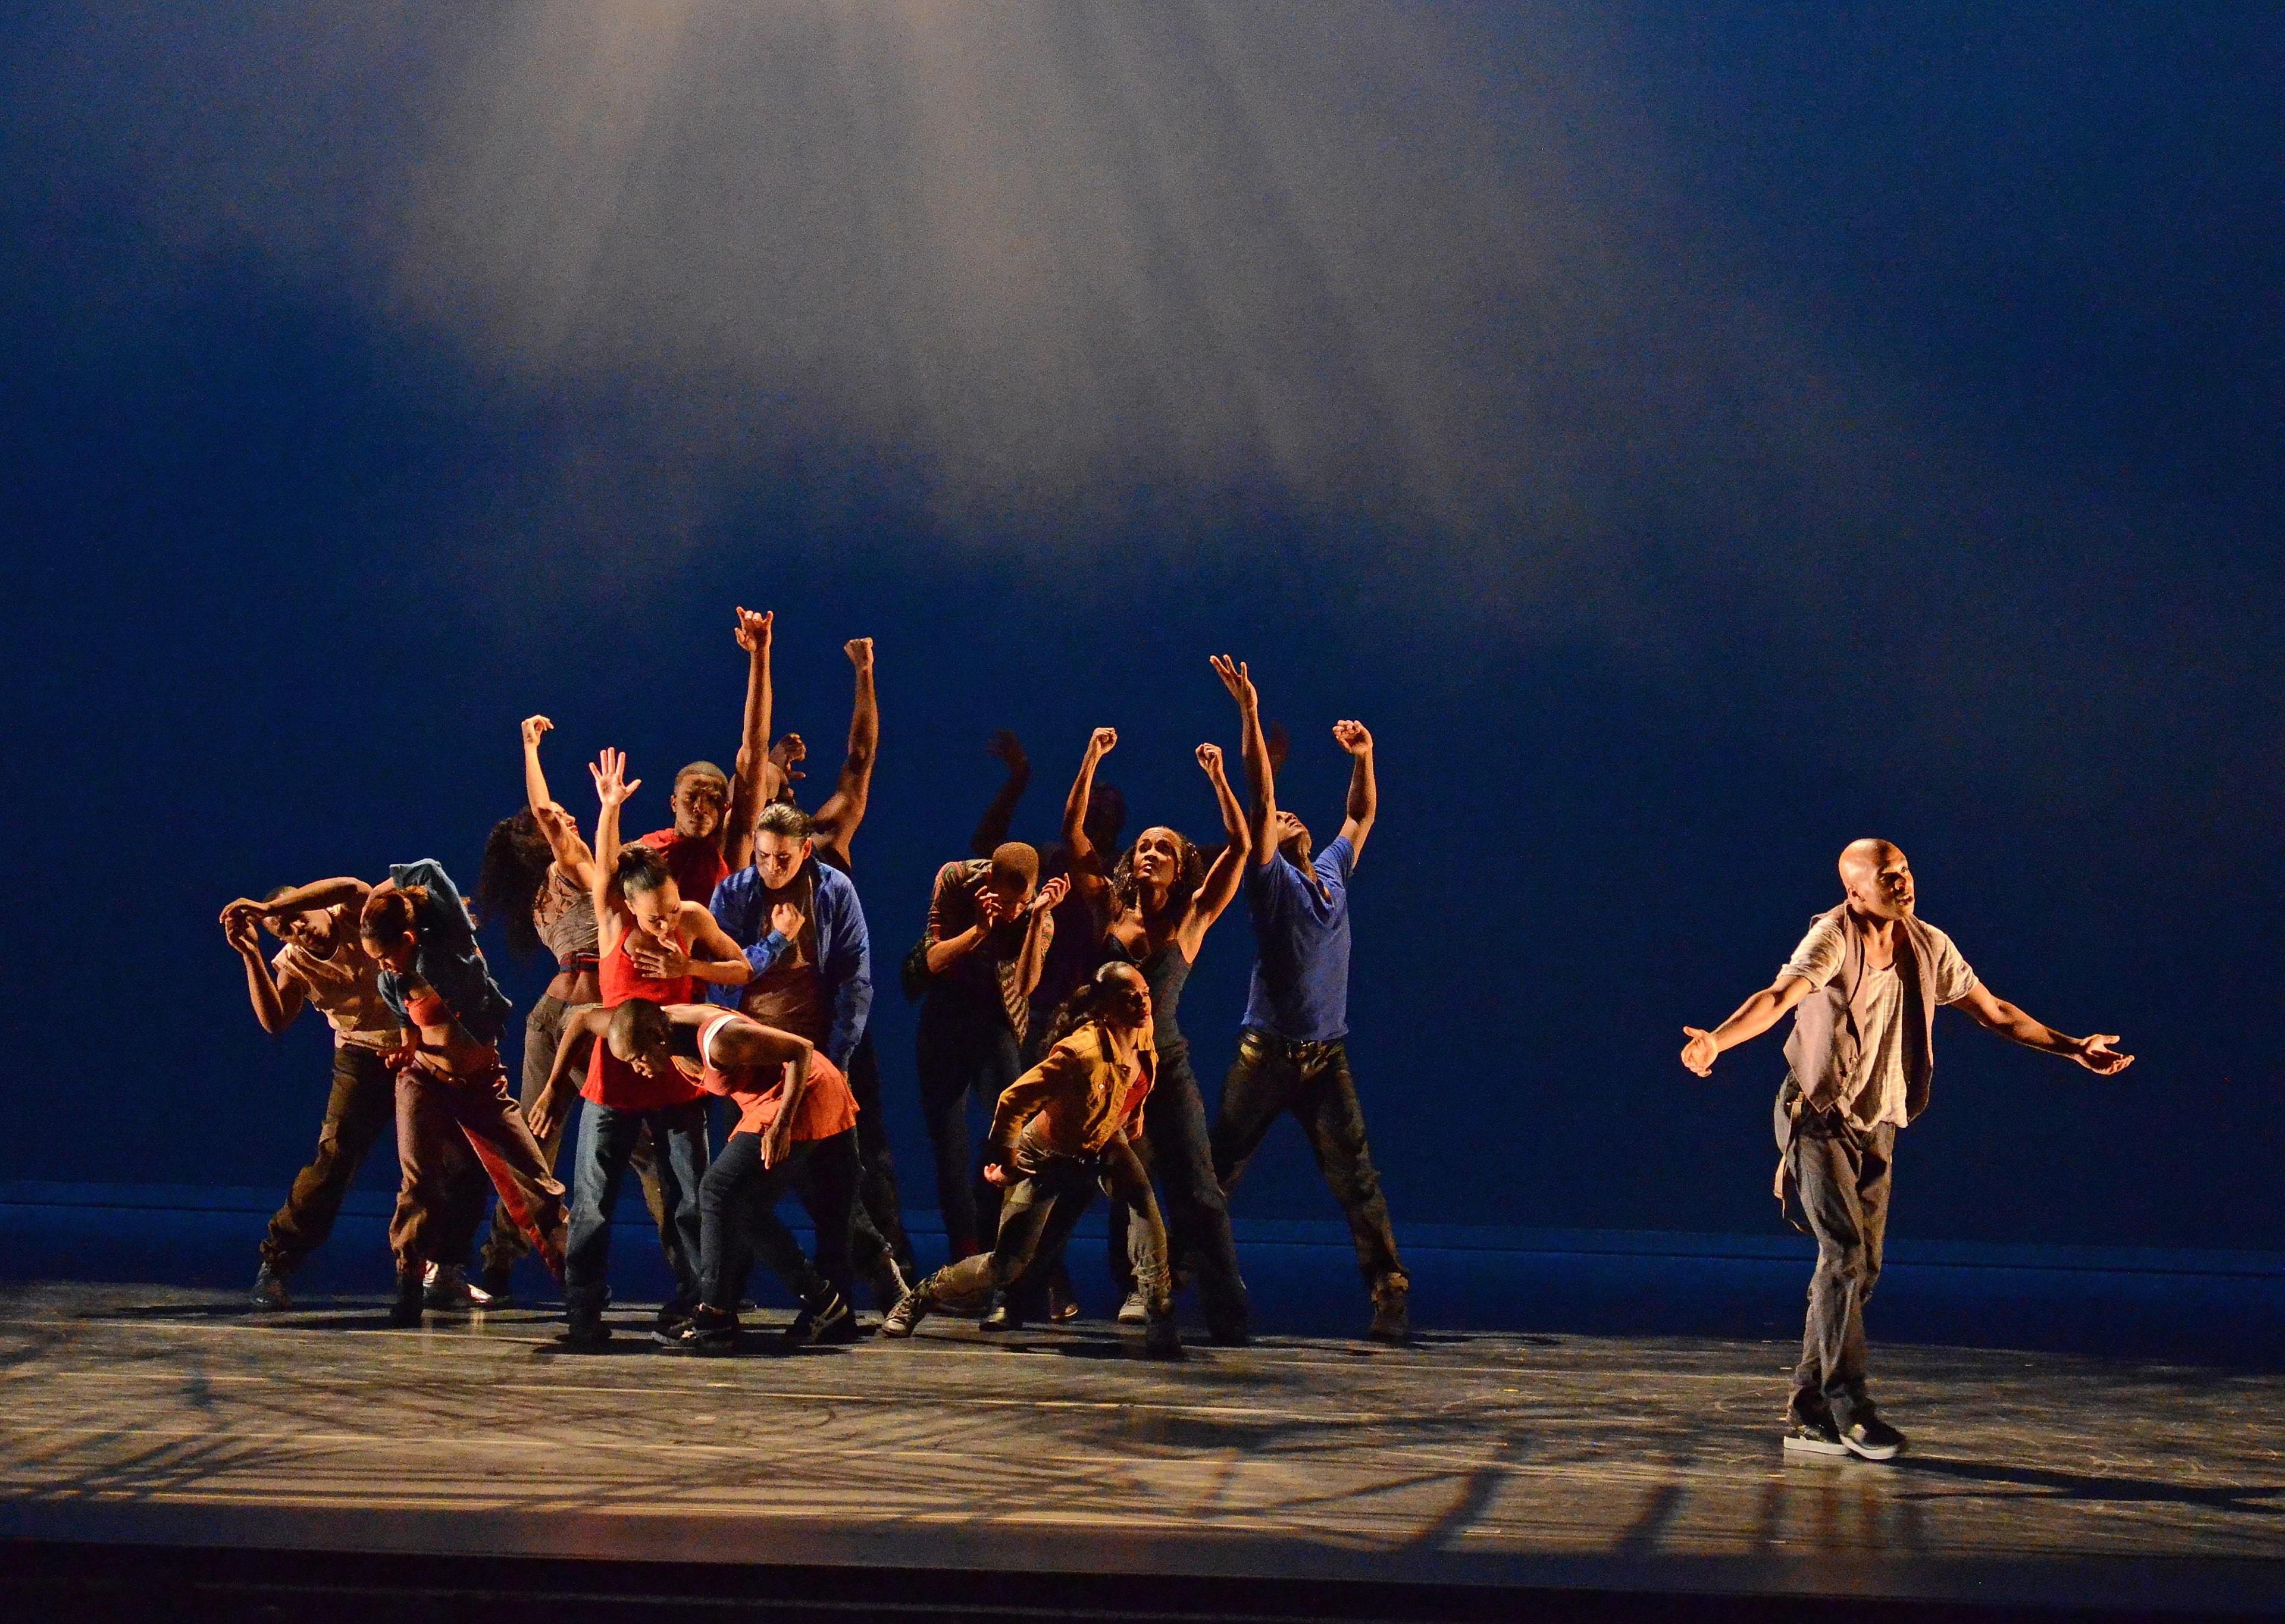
1878, 879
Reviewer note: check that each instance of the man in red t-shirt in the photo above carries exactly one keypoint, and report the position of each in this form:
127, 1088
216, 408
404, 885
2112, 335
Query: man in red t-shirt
714, 811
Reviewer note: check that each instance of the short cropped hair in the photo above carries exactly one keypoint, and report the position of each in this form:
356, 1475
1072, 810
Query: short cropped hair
1014, 863
636, 1025
703, 769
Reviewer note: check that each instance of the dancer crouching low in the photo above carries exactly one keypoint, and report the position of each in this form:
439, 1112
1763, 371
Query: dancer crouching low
1061, 1129
796, 1117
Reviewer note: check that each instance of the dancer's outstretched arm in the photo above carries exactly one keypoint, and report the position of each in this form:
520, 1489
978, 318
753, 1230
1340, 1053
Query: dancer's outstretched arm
1229, 871
1364, 790
1090, 873
1000, 816
1994, 1014
583, 1028
749, 782
1253, 750
558, 827
844, 809
277, 1000
1752, 1018
612, 790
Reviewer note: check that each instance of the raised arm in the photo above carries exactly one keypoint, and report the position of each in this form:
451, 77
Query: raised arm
750, 777
582, 1028
844, 809
1039, 931
1229, 871
612, 790
1365, 791
318, 894
1752, 1018
1253, 750
1000, 817
1996, 1014
1089, 868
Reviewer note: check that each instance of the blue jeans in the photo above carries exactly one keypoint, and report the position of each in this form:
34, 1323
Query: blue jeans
964, 1050
607, 1144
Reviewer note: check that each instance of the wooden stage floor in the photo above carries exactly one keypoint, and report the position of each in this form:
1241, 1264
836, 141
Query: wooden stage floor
169, 1417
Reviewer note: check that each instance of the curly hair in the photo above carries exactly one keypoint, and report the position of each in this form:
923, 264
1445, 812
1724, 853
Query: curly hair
1189, 873
516, 860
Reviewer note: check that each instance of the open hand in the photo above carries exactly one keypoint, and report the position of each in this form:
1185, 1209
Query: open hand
785, 919
988, 911
609, 771
1235, 678
753, 633
546, 1116
1102, 742
1353, 737
787, 755
1700, 1052
2097, 1055
533, 726
655, 960
1051, 894
860, 650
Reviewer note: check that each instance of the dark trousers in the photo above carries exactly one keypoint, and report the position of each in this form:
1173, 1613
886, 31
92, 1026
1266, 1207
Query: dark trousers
358, 1110
1043, 1204
1841, 1175
440, 1120
876, 1182
606, 1143
1179, 1154
543, 1034
738, 1202
1312, 1080
963, 1051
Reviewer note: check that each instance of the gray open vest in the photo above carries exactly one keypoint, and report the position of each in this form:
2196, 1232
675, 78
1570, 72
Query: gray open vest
1823, 1051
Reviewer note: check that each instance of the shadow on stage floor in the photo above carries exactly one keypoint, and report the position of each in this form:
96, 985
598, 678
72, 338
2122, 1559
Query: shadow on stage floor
1587, 1427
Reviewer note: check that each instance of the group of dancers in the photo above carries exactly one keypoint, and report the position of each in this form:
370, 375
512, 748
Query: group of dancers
727, 956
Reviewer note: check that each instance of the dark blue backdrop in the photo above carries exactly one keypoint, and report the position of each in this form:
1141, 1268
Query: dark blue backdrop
288, 565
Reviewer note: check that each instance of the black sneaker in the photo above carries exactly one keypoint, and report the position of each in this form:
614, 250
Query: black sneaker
908, 1312
673, 1320
823, 1322
1869, 1438
1062, 1307
706, 1334
497, 1290
1162, 1338
1230, 1331
586, 1331
269, 1294
411, 1293
1813, 1435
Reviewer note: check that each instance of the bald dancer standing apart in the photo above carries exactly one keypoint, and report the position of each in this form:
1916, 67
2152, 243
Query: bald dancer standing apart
1863, 988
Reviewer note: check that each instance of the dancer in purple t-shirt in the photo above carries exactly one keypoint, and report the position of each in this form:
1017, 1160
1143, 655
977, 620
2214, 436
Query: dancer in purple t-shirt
1293, 1054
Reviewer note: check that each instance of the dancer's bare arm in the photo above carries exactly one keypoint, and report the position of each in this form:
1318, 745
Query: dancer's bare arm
1039, 931
1994, 1014
347, 890
946, 946
1229, 871
277, 999
612, 789
582, 1031
1364, 790
1752, 1018
1089, 868
749, 780
844, 809
1253, 750
557, 827
1000, 816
